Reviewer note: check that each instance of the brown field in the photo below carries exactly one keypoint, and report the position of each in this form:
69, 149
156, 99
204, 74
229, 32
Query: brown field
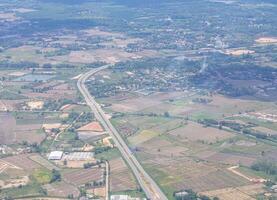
187, 174
134, 104
100, 192
266, 130
121, 179
14, 182
11, 133
18, 73
7, 122
43, 162
23, 10
8, 16
91, 135
35, 104
196, 132
93, 126
231, 159
247, 192
29, 136
68, 107
103, 55
61, 189
83, 176
64, 86
97, 32
53, 94
22, 161
239, 52
74, 163
163, 148
266, 40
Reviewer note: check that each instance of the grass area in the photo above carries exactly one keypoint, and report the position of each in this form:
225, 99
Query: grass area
36, 117
251, 173
45, 145
257, 148
143, 136
42, 176
162, 180
30, 190
7, 95
109, 155
269, 125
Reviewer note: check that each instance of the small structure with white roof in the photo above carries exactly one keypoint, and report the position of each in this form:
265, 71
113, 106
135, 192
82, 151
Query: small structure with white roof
55, 155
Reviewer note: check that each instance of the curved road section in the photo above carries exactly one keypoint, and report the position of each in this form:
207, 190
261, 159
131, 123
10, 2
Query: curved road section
149, 186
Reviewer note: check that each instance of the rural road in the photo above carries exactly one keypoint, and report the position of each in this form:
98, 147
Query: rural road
149, 186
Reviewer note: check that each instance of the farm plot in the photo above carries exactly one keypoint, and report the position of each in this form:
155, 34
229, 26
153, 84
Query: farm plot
22, 161
61, 189
29, 136
247, 192
43, 162
162, 148
196, 132
93, 126
232, 159
137, 104
142, 137
180, 174
83, 176
7, 122
121, 179
10, 105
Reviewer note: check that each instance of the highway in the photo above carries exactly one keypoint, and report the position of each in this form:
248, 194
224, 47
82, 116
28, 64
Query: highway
149, 186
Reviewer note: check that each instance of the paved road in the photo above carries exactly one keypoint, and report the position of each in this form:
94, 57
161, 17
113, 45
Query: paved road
149, 186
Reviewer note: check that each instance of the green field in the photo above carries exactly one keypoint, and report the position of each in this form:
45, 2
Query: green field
42, 176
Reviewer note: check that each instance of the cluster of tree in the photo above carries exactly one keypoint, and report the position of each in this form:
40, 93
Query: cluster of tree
55, 105
34, 147
202, 100
99, 150
18, 65
56, 176
241, 128
267, 166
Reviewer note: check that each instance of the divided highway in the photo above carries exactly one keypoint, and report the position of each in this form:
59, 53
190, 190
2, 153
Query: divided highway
149, 186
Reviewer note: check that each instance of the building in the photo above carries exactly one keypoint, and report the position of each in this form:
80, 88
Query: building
124, 197
79, 156
55, 155
119, 197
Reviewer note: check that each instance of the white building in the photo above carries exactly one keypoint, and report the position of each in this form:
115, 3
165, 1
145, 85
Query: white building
124, 197
119, 197
55, 155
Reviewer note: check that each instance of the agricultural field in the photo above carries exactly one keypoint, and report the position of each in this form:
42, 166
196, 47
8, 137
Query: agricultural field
191, 86
121, 178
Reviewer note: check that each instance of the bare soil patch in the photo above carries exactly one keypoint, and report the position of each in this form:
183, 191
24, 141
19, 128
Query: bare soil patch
196, 132
61, 189
266, 40
83, 176
121, 179
93, 126
247, 192
23, 161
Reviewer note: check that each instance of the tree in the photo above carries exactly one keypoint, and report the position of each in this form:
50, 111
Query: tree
56, 176
166, 114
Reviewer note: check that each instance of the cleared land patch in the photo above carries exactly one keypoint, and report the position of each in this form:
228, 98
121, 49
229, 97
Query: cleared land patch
121, 179
195, 132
